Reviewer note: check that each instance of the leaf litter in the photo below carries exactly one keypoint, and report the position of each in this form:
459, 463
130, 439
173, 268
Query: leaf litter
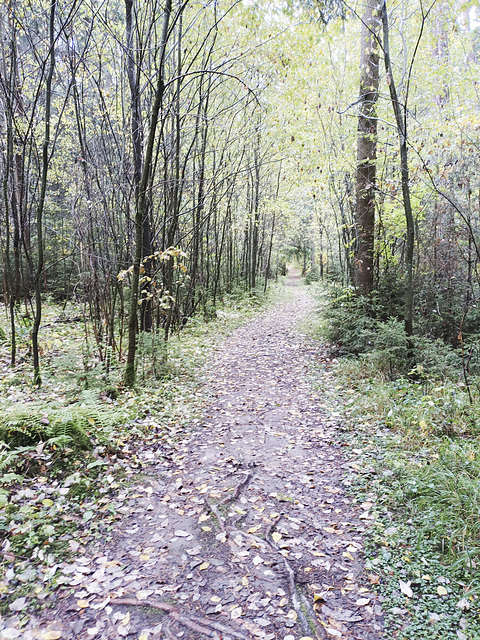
244, 530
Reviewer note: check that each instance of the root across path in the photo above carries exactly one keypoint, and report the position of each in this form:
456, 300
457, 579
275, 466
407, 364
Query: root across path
246, 531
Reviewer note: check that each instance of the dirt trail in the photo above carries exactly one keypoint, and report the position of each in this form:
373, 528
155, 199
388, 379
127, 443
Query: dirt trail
284, 562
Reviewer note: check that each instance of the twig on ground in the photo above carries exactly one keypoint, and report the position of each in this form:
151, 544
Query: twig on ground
192, 622
11, 557
226, 630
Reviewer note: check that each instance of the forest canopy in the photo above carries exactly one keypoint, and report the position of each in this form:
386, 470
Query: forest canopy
157, 157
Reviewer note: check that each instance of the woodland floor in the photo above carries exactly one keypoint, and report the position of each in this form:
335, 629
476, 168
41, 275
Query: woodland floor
243, 529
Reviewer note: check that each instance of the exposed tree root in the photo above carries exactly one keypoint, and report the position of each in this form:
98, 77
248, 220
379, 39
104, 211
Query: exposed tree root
227, 499
295, 597
306, 621
238, 488
292, 586
200, 625
216, 513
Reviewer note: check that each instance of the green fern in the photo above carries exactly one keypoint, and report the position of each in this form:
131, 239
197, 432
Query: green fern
79, 425
10, 458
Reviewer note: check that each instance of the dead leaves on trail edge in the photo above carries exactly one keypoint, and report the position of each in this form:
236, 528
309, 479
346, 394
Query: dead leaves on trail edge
246, 531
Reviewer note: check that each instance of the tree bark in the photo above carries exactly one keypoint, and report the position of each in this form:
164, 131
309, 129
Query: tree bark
141, 200
41, 201
400, 111
367, 148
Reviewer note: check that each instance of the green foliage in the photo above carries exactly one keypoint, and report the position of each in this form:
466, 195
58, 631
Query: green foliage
443, 495
349, 323
417, 458
79, 424
312, 275
425, 494
357, 326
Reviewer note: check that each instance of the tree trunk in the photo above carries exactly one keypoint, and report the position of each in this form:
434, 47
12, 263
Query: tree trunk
141, 200
41, 201
400, 111
367, 148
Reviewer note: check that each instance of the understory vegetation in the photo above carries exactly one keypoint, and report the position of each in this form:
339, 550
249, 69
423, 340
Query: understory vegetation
412, 407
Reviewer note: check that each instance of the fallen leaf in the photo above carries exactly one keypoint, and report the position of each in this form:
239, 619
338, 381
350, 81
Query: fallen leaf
181, 534
276, 536
442, 591
83, 604
236, 613
204, 566
333, 632
361, 602
52, 635
463, 604
330, 530
18, 604
405, 589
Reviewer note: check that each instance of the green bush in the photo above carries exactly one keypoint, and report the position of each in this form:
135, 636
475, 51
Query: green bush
312, 275
349, 323
356, 326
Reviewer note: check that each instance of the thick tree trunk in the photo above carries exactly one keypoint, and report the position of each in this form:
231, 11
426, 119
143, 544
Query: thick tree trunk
367, 148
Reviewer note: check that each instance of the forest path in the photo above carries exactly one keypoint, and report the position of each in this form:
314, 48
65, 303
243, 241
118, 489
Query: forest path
284, 562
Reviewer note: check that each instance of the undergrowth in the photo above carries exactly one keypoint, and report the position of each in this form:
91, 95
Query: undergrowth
412, 432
